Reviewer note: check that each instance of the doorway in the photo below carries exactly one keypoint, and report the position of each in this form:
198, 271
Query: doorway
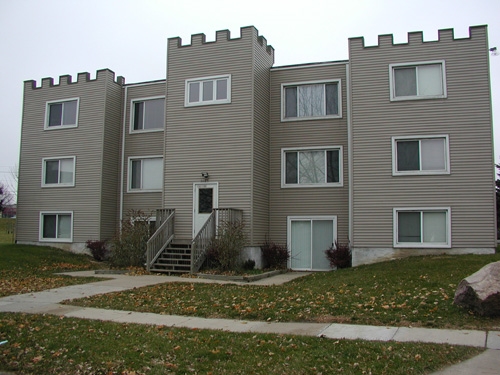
205, 199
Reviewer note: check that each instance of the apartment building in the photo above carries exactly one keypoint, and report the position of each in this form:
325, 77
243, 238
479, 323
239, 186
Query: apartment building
391, 150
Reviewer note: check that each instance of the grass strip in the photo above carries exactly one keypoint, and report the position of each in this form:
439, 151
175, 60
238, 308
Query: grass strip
27, 269
415, 291
39, 344
7, 230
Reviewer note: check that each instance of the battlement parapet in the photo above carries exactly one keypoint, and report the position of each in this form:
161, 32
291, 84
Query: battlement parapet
417, 37
67, 79
222, 36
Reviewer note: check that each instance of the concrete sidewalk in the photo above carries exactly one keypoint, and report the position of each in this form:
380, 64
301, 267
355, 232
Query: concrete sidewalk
48, 302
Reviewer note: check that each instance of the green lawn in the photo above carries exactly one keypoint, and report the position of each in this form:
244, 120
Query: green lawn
45, 344
416, 291
53, 345
25, 269
7, 230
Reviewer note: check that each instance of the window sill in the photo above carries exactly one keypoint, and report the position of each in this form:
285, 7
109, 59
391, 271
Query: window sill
146, 131
290, 119
309, 186
60, 127
201, 104
420, 173
134, 191
51, 186
405, 98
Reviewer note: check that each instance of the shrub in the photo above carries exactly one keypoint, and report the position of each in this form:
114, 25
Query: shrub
249, 265
129, 246
224, 251
98, 249
275, 255
339, 255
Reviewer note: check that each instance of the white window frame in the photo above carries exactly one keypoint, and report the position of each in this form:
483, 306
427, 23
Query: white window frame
446, 155
290, 219
422, 244
392, 81
132, 115
47, 114
129, 177
41, 218
207, 102
313, 185
149, 219
59, 184
323, 82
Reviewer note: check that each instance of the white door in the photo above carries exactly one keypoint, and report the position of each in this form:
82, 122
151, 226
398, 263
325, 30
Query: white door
308, 238
205, 198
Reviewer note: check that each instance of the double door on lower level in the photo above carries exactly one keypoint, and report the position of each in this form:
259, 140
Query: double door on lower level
308, 238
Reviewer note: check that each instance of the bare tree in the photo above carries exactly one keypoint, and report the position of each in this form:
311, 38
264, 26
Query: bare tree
6, 198
14, 177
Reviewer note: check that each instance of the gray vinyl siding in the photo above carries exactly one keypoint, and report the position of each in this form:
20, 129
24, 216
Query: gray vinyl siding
111, 161
465, 116
260, 181
85, 142
217, 139
307, 201
140, 144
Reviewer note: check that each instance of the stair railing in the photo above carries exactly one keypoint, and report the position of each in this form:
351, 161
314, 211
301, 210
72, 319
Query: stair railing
201, 242
208, 232
162, 237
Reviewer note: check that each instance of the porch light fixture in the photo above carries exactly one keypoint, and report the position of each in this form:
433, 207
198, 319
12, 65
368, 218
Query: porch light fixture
205, 176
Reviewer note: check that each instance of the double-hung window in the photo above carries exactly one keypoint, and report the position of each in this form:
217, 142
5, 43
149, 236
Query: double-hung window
147, 114
61, 114
422, 227
426, 80
420, 155
311, 100
58, 171
311, 167
145, 174
208, 90
56, 226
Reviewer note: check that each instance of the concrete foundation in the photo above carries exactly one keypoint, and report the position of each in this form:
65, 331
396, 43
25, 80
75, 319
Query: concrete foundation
253, 253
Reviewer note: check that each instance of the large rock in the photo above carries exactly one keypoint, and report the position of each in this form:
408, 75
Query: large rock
480, 292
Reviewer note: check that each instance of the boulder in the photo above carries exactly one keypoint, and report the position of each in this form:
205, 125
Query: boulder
480, 292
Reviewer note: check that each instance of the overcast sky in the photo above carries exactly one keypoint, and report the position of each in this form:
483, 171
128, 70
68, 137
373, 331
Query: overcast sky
50, 38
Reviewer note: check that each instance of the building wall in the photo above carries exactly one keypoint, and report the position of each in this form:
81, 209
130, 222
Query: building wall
141, 144
239, 144
465, 116
217, 139
110, 177
85, 142
263, 60
306, 201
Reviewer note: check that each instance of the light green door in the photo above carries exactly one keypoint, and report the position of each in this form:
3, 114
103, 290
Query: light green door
309, 237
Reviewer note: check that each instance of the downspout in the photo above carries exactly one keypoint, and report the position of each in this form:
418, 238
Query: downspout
123, 155
349, 152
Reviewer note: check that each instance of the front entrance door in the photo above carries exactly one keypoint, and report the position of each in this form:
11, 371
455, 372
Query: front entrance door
205, 198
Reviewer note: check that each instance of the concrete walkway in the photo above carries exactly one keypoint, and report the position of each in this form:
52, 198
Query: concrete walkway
48, 302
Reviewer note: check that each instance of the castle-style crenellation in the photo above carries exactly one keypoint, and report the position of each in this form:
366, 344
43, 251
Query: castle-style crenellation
67, 79
417, 37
